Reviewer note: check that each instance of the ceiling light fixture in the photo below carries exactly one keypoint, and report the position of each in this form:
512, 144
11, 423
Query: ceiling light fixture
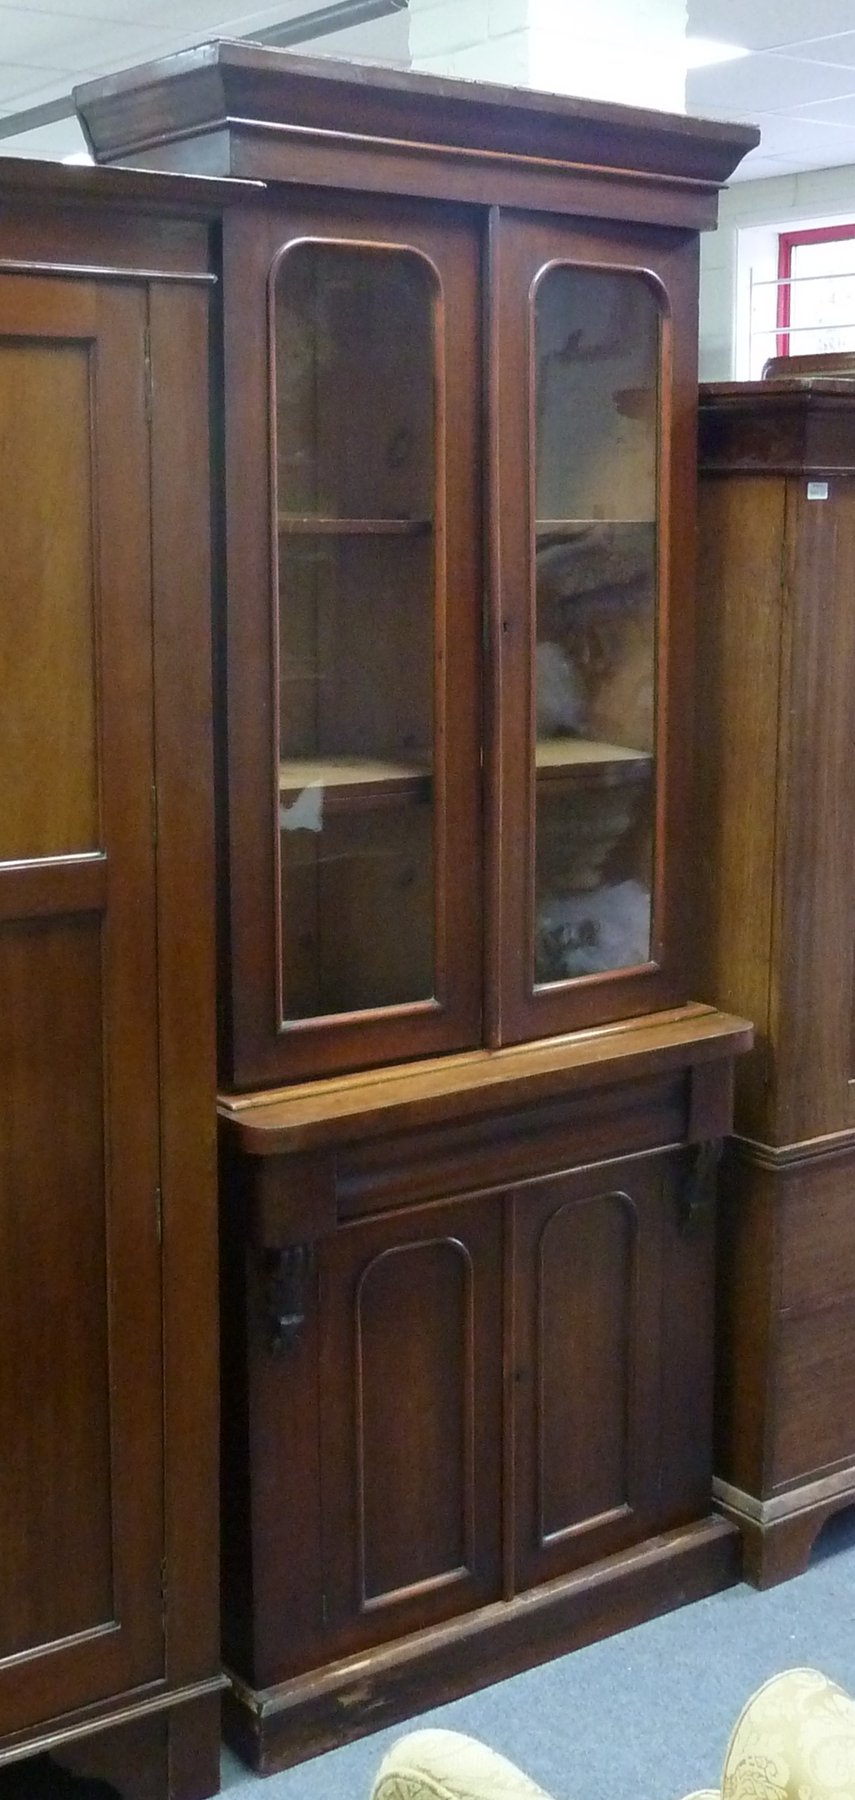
703, 53
326, 19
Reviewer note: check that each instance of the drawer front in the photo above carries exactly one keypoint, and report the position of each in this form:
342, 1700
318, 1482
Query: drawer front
512, 1146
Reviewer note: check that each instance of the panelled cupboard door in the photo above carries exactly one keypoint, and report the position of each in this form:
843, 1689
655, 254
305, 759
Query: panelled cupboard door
81, 1528
353, 547
592, 473
587, 1363
411, 1419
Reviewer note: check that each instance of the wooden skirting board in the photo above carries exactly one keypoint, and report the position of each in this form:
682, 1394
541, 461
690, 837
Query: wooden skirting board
275, 1728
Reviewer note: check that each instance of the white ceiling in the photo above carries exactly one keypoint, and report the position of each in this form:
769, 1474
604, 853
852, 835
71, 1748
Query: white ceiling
798, 84
48, 46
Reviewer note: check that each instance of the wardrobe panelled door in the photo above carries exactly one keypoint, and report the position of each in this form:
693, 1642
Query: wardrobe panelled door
81, 1525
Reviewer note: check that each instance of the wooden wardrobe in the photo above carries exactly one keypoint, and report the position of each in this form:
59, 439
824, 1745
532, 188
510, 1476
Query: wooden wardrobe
109, 1629
777, 660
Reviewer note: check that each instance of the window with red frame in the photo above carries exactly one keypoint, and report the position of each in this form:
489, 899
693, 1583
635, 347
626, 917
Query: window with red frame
816, 290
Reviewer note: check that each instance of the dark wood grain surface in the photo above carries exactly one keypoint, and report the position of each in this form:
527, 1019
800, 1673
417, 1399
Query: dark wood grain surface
82, 1321
777, 512
217, 82
108, 1392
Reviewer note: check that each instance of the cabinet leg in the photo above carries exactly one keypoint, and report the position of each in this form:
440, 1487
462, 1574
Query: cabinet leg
776, 1550
194, 1749
173, 1756
775, 1553
126, 1762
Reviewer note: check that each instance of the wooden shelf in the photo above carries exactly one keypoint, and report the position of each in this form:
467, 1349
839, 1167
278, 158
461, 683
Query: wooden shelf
556, 526
585, 762
314, 525
353, 783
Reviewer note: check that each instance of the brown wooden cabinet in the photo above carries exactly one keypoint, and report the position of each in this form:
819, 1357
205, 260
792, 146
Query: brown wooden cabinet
468, 1355
108, 1519
777, 514
442, 1480
467, 1101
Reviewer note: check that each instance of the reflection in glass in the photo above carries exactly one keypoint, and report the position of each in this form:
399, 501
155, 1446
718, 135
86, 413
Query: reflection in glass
597, 367
354, 352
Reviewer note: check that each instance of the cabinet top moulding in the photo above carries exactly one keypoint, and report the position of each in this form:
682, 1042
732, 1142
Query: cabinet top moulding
110, 224
25, 179
233, 108
785, 426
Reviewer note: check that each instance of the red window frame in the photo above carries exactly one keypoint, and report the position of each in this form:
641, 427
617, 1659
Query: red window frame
787, 242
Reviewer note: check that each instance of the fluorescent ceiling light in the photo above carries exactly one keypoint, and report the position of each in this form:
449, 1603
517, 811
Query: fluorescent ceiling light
702, 52
77, 156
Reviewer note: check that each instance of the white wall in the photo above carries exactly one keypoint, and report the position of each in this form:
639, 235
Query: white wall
750, 214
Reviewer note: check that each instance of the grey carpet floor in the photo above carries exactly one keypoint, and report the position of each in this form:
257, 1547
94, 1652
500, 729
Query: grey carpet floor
646, 1714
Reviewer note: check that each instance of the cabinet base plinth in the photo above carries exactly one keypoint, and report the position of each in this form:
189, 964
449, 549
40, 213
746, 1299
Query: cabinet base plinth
279, 1726
779, 1534
164, 1747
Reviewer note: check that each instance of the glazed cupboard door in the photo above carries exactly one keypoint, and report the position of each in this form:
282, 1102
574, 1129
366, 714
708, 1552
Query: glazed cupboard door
592, 465
352, 405
81, 1529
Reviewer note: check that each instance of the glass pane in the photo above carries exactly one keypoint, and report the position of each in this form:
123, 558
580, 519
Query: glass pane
822, 297
355, 431
597, 355
354, 383
49, 791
